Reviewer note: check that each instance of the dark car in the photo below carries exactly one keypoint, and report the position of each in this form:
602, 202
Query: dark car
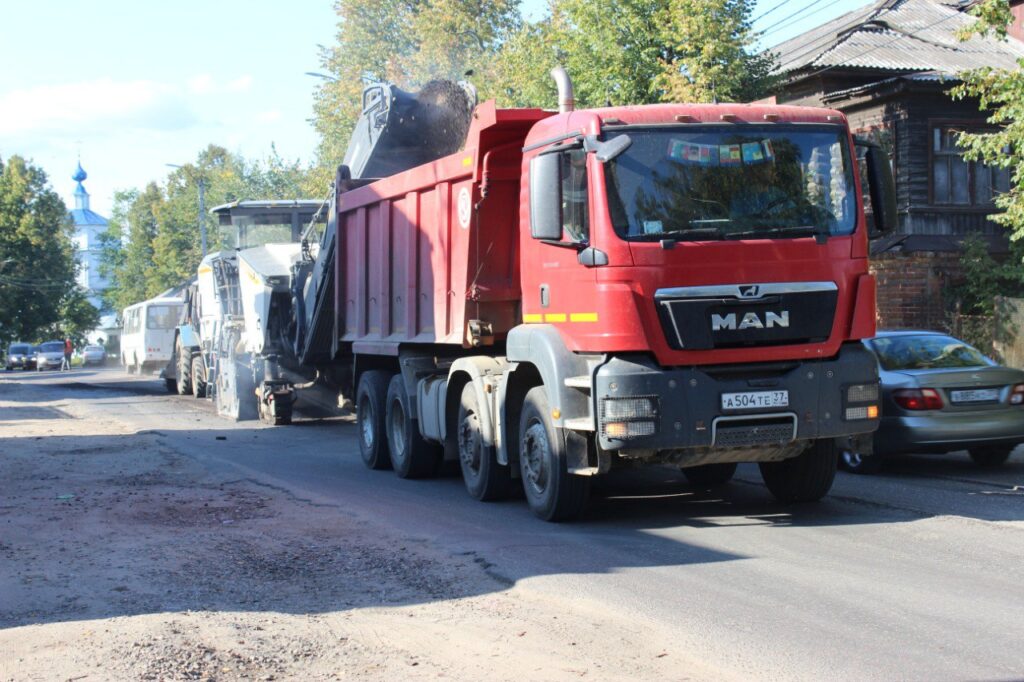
939, 395
20, 356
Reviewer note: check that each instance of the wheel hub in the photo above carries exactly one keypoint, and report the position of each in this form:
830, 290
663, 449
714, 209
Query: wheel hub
365, 412
469, 446
535, 447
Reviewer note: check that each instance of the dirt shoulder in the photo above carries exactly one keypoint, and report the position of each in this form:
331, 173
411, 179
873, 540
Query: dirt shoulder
121, 558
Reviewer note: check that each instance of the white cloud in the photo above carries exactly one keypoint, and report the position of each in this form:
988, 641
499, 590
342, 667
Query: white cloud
240, 84
269, 116
202, 84
94, 108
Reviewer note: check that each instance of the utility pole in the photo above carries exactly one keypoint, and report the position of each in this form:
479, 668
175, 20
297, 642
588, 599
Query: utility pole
201, 184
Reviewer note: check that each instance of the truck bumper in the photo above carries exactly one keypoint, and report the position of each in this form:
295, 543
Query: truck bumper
640, 406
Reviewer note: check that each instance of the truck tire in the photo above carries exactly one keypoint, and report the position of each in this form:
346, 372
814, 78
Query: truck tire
804, 478
184, 365
370, 410
485, 479
171, 385
411, 455
989, 456
707, 476
198, 374
551, 491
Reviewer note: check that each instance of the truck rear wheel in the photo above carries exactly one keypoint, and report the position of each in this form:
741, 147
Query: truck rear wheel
198, 373
370, 408
708, 476
551, 491
804, 478
485, 479
411, 455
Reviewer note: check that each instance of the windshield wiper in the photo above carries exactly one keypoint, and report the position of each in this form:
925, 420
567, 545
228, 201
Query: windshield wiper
786, 231
688, 235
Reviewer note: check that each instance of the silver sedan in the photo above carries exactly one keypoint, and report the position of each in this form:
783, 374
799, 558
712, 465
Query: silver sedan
940, 395
93, 355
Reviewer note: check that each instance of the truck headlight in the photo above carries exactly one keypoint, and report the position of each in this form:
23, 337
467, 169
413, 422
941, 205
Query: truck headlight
632, 417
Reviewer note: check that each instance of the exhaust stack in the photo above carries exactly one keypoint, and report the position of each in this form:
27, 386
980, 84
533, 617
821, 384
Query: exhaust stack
566, 102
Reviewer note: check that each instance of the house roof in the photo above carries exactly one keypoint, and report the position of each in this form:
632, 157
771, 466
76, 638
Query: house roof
86, 216
896, 35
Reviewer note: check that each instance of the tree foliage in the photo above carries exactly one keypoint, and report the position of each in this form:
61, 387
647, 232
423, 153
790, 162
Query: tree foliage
38, 293
153, 241
617, 51
406, 42
1000, 92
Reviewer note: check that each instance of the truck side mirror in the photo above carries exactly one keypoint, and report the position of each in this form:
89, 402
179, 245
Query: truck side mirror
881, 187
546, 197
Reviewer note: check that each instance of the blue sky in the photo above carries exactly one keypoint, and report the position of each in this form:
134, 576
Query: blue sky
132, 85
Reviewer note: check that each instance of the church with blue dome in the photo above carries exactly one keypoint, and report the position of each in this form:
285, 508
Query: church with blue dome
89, 225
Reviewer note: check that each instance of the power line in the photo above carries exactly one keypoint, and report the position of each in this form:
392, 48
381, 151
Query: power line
797, 21
762, 15
789, 16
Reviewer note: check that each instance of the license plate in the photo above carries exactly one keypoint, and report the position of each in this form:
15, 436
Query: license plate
974, 395
755, 400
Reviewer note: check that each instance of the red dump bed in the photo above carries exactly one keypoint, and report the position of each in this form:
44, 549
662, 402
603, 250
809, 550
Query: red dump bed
423, 252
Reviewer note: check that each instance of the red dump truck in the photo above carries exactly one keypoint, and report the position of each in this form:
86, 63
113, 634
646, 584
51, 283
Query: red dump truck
578, 290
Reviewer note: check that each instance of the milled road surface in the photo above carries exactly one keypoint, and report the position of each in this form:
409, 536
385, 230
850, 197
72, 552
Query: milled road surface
914, 574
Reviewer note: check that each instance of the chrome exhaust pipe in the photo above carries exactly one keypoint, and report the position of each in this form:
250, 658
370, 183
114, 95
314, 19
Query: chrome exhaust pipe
566, 102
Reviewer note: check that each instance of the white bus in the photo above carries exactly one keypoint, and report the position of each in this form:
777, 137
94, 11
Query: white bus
147, 336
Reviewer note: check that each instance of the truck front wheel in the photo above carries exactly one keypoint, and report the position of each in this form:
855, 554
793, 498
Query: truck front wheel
411, 455
485, 479
370, 407
804, 478
551, 491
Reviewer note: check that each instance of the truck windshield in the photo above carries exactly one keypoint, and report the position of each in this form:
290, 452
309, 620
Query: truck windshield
699, 183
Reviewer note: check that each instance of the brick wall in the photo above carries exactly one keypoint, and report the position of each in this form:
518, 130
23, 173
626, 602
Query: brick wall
910, 289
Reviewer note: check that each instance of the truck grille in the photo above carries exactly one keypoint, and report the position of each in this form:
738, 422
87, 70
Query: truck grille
736, 432
732, 316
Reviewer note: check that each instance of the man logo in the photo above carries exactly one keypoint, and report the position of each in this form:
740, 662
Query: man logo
749, 321
750, 291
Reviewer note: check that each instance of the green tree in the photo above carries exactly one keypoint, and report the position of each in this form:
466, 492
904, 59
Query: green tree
1000, 92
710, 53
37, 262
153, 242
127, 246
636, 52
406, 42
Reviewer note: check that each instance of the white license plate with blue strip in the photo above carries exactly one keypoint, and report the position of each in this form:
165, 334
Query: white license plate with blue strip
755, 400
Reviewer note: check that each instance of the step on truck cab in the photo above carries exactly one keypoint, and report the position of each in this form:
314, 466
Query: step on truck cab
583, 289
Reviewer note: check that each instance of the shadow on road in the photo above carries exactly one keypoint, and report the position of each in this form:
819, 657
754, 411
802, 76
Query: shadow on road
184, 516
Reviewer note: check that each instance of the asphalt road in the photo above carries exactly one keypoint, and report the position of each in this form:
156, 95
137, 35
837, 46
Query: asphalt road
914, 574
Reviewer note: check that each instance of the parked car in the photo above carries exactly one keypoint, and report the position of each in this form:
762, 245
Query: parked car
20, 356
50, 355
939, 395
93, 355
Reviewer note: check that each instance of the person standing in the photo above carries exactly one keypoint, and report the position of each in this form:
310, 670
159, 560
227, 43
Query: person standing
66, 363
